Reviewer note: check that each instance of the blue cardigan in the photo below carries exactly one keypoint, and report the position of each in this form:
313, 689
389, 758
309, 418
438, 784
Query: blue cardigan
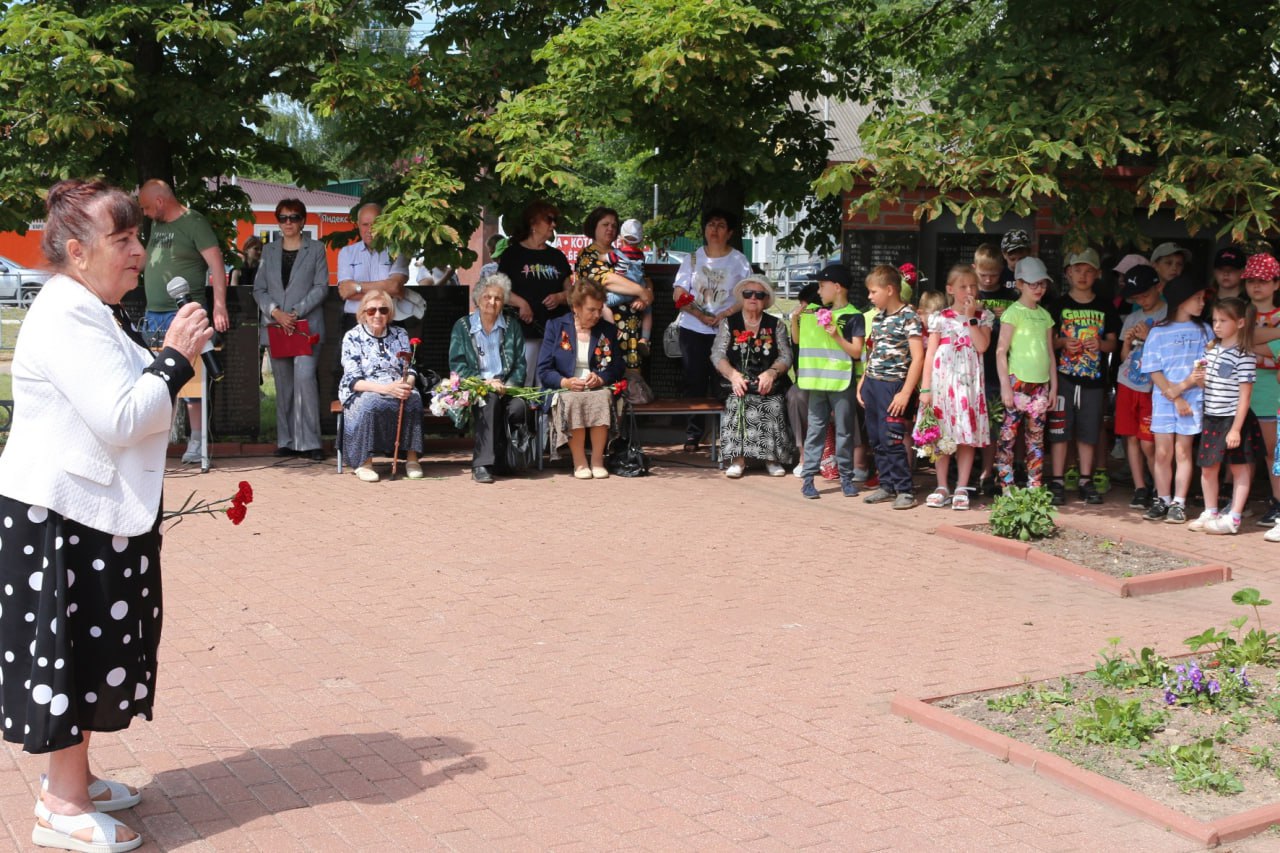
555, 362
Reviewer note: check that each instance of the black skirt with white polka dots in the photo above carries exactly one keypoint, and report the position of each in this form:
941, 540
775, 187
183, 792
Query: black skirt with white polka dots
80, 616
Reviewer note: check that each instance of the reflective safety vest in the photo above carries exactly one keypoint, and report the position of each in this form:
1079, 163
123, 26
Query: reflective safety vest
821, 365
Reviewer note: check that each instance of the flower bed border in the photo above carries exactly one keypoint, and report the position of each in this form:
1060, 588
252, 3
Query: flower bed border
1173, 580
1093, 785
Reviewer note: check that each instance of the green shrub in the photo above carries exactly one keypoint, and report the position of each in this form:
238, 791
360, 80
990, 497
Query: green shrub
1023, 514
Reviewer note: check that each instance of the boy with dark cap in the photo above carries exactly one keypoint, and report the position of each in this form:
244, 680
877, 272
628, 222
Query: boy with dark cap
1228, 273
829, 342
1141, 287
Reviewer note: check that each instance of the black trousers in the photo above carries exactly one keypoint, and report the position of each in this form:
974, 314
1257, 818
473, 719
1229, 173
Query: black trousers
695, 357
490, 421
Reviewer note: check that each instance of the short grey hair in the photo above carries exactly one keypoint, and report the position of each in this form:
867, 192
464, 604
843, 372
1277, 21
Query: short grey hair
498, 280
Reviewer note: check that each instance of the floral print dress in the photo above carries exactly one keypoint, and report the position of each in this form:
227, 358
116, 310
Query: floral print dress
959, 399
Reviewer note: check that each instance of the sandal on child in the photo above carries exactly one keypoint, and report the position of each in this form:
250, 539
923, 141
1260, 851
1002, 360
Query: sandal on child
961, 499
55, 830
938, 498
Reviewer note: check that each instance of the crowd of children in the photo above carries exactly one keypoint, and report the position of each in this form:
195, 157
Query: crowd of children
1000, 369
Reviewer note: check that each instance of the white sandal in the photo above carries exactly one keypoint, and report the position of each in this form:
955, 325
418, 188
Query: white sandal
121, 797
961, 499
55, 830
938, 498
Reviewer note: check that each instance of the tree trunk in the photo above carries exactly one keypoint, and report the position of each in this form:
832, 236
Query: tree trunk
152, 154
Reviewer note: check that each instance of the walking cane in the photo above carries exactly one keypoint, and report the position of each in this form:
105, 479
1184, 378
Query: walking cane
395, 454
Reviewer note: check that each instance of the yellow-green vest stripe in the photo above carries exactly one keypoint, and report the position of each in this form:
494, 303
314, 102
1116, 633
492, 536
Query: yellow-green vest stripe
821, 365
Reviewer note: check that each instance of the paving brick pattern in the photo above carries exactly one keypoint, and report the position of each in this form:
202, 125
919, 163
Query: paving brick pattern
672, 663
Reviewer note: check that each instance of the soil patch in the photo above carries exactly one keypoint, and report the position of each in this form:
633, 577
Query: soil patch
1111, 556
1245, 740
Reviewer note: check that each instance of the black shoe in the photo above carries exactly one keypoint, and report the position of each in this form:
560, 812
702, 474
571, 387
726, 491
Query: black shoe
286, 451
1273, 512
987, 485
317, 454
481, 474
1089, 492
1141, 498
1057, 493
1177, 514
1157, 511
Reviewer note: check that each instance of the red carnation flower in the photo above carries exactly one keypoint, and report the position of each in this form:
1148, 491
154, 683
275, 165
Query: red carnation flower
245, 495
415, 341
683, 298
236, 512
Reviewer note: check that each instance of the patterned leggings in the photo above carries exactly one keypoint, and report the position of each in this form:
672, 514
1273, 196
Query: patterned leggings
1030, 401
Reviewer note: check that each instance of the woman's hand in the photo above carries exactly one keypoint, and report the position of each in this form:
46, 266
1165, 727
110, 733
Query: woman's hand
765, 382
497, 385
287, 321
739, 384
523, 308
573, 383
593, 381
189, 331
553, 300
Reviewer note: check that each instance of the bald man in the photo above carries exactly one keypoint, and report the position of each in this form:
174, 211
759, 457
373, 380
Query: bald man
361, 268
181, 244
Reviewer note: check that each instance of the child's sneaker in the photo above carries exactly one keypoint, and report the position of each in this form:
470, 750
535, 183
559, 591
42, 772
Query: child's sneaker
879, 496
1269, 519
1101, 481
904, 500
1272, 535
1223, 525
848, 487
1071, 479
1141, 498
1058, 493
1089, 492
1157, 511
1177, 514
1202, 522
809, 490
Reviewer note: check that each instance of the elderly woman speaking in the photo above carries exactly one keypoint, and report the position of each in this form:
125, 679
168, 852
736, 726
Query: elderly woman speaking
373, 387
489, 344
581, 356
80, 493
752, 351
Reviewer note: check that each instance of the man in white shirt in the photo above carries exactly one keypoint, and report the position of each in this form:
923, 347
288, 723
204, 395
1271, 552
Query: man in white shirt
362, 269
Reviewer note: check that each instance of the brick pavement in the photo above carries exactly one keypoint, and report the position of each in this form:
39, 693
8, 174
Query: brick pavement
437, 665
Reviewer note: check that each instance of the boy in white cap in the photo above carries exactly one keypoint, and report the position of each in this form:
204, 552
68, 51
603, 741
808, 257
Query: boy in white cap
628, 260
1170, 260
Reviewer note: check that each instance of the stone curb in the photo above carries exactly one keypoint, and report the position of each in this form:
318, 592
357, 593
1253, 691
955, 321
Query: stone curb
1173, 580
1068, 775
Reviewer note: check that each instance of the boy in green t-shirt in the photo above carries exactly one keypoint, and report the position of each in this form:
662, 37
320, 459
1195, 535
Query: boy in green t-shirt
1028, 381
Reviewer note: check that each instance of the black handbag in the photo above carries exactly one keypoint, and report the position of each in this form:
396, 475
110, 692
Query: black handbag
518, 451
625, 458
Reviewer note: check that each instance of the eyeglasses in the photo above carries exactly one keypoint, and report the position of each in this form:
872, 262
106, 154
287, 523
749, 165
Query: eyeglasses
290, 217
381, 309
553, 221
755, 294
1040, 284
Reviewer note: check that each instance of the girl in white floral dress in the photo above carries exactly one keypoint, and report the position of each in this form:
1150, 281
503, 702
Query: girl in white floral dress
952, 385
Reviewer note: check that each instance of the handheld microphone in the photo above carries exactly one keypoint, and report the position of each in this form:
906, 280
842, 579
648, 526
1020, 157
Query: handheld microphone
180, 292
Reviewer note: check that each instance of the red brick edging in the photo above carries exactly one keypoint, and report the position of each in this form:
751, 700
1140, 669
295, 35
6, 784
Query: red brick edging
1150, 584
1209, 833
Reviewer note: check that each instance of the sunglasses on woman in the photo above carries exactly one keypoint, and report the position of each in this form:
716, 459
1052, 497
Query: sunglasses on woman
381, 309
755, 294
290, 217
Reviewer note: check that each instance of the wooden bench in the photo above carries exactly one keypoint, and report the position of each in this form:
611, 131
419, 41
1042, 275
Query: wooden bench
709, 406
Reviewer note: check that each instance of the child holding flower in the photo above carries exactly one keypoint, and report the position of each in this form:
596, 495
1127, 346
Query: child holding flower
953, 390
1024, 363
830, 341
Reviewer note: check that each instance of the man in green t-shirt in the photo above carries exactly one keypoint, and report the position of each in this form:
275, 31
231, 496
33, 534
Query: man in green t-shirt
181, 244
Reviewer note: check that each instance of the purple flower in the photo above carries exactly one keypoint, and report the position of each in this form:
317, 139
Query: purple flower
1170, 697
1214, 689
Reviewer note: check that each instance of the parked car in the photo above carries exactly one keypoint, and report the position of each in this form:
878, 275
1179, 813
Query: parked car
18, 284
796, 276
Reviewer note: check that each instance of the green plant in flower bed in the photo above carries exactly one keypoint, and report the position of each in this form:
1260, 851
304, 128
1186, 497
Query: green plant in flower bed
1197, 767
1121, 722
1143, 669
1023, 514
1041, 696
1258, 646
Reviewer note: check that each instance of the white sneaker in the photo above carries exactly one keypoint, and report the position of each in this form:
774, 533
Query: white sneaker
364, 472
1273, 535
734, 471
775, 470
798, 471
1222, 525
1202, 523
193, 456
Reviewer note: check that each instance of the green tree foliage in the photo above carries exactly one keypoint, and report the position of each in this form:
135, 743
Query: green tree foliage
1012, 103
159, 88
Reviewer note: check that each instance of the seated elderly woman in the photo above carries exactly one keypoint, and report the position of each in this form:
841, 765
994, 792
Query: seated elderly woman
581, 356
752, 351
489, 344
372, 388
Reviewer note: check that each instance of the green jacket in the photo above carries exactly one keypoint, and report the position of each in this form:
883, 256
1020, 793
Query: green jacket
465, 361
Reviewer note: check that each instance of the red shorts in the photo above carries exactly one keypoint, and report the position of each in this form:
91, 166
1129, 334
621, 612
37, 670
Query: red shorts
1133, 413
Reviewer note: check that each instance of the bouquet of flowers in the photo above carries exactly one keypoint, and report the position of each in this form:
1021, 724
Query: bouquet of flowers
453, 397
824, 318
928, 434
685, 299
